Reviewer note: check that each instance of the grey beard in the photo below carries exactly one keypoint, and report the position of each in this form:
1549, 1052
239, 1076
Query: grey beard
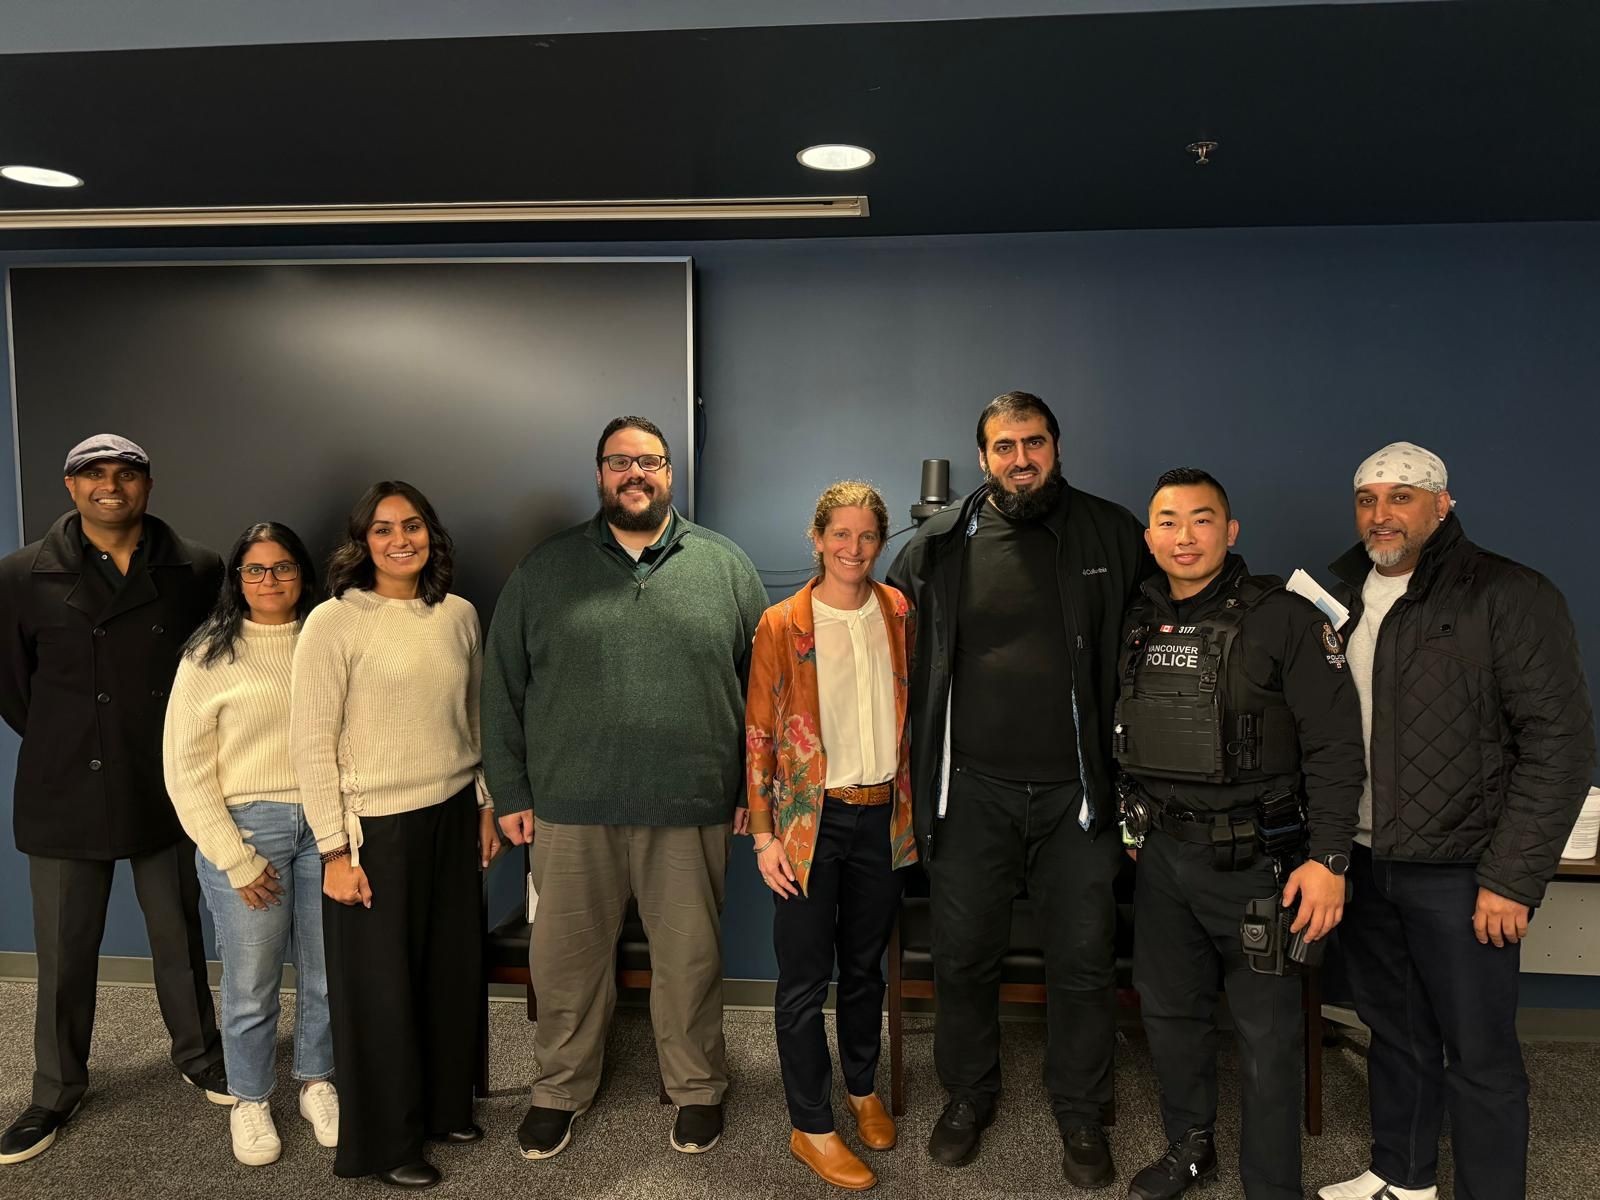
1390, 557
646, 519
1029, 505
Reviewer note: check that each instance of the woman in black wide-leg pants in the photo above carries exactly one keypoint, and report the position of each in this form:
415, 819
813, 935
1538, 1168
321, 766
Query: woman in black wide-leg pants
402, 986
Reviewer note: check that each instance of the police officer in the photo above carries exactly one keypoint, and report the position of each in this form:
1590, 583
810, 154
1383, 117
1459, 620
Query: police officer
1239, 734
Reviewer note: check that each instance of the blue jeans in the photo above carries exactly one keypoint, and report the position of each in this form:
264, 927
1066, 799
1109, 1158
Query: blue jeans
254, 946
1442, 1008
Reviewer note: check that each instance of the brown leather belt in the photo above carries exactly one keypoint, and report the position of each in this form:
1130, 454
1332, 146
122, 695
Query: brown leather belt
863, 793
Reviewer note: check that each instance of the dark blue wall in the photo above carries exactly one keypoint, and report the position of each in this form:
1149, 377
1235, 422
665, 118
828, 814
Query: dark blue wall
1276, 358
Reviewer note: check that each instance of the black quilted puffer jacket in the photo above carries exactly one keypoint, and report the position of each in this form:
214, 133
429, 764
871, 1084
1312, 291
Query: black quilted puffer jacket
1482, 736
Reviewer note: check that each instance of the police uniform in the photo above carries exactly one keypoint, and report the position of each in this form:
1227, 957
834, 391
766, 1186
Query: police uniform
1235, 709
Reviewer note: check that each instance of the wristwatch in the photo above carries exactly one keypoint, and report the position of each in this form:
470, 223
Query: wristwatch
1336, 862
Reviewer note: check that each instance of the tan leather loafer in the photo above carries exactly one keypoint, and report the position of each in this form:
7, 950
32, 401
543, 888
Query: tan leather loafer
873, 1123
833, 1162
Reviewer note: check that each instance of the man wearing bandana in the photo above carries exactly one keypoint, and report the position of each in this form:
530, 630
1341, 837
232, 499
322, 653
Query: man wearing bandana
1480, 746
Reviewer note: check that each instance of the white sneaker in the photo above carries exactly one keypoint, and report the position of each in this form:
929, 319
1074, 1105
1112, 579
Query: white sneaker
255, 1137
319, 1104
1368, 1186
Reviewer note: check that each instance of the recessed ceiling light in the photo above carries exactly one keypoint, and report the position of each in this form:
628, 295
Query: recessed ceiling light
40, 177
836, 157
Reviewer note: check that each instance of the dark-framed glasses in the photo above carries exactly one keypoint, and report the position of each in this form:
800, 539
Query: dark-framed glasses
647, 462
283, 571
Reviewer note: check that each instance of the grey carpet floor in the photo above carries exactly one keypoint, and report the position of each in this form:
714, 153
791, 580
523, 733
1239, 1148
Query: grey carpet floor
142, 1132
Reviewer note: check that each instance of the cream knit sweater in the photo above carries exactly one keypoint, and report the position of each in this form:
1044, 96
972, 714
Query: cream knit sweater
226, 743
384, 711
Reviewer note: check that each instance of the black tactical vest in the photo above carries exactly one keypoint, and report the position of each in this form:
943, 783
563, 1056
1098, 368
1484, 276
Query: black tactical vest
1186, 713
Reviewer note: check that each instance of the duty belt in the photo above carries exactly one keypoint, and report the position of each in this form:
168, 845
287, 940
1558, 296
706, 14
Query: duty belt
865, 794
1231, 835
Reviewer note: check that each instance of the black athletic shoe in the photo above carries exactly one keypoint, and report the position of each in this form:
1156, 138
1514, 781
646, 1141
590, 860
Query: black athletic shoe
955, 1134
1186, 1163
213, 1081
31, 1134
1086, 1155
698, 1128
545, 1132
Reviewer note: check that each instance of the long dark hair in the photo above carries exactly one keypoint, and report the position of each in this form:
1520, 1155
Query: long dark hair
218, 635
350, 566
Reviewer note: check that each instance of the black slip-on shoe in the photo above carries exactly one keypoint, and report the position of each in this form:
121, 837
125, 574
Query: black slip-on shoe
32, 1133
213, 1081
545, 1132
698, 1128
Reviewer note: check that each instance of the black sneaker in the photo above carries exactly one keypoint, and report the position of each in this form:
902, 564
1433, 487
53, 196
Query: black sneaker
1086, 1155
545, 1132
31, 1134
698, 1128
213, 1081
955, 1135
1186, 1163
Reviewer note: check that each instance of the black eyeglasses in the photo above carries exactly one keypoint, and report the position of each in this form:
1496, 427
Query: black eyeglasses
285, 571
647, 462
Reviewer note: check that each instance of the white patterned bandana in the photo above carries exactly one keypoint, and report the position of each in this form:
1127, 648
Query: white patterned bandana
1407, 463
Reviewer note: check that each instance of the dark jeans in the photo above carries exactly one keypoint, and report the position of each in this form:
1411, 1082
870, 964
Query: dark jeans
996, 838
1442, 1008
852, 898
1186, 937
405, 980
69, 918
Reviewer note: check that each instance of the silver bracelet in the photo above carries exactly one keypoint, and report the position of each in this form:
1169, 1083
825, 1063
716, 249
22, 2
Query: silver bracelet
770, 839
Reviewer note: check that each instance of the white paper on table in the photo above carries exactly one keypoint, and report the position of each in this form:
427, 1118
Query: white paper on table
531, 904
1302, 584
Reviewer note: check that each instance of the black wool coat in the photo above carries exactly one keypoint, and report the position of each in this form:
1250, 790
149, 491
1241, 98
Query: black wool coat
85, 669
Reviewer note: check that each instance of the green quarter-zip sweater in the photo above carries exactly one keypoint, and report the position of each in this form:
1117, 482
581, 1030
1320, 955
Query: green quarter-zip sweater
613, 693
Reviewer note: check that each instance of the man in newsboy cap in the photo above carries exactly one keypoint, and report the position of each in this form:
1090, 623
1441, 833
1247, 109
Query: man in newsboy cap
1480, 744
94, 616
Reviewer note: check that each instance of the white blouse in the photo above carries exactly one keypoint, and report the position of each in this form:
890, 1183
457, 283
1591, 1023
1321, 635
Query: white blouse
855, 684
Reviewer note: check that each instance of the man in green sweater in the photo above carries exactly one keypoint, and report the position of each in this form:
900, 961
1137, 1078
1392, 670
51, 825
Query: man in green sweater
613, 736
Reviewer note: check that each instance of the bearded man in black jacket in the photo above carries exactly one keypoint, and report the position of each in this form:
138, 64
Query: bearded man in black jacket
1019, 593
1480, 747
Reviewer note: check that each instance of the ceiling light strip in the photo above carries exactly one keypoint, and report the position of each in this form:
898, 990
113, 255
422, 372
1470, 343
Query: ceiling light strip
763, 208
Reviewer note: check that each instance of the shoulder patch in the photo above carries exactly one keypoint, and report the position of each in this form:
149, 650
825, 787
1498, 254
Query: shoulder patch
1333, 647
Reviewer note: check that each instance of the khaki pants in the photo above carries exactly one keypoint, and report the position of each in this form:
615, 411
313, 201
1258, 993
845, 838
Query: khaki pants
584, 875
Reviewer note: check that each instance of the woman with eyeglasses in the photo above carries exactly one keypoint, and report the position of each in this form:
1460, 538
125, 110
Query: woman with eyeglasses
226, 758
830, 811
384, 737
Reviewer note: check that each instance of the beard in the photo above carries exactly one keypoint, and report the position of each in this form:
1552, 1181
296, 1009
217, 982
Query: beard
1031, 504
635, 521
1395, 555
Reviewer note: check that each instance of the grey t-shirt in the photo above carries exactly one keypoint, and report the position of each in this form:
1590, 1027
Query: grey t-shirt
1378, 595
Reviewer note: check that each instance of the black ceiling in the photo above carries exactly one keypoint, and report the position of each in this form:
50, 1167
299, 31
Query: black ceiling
1383, 113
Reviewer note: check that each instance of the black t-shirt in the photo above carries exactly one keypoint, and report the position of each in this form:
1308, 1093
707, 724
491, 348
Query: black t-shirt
1011, 710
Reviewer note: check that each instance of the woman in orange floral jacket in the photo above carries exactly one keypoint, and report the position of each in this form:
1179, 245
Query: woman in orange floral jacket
830, 810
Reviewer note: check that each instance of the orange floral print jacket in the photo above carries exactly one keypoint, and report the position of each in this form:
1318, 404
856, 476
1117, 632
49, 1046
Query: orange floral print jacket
787, 767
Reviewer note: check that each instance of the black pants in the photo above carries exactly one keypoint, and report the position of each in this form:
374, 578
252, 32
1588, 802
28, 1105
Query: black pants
1442, 1008
1186, 938
404, 986
852, 897
996, 838
69, 918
